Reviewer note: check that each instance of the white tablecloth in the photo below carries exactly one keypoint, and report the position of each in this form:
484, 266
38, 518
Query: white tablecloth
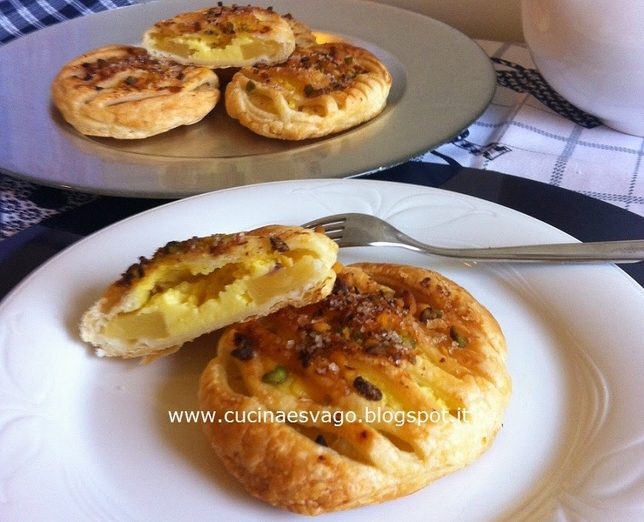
529, 131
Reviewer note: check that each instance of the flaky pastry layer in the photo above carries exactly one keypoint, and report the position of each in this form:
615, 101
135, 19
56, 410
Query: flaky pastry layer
321, 89
188, 288
389, 341
122, 92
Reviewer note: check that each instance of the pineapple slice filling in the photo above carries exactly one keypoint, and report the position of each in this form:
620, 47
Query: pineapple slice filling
209, 49
187, 303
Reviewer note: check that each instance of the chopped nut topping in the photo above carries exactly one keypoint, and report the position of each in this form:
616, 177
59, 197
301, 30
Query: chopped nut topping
279, 244
430, 313
458, 336
366, 389
245, 347
276, 376
329, 68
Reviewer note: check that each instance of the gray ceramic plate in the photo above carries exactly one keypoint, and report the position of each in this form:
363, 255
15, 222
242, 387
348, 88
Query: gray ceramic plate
442, 81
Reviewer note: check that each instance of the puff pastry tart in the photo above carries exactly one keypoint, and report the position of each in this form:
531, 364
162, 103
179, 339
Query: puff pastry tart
199, 285
222, 36
321, 89
122, 92
395, 379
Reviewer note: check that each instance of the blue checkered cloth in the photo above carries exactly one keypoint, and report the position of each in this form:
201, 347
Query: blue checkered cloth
21, 17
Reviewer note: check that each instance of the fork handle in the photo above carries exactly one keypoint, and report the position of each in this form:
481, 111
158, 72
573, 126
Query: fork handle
601, 251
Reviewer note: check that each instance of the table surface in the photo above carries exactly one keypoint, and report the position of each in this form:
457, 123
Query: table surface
528, 131
564, 209
530, 150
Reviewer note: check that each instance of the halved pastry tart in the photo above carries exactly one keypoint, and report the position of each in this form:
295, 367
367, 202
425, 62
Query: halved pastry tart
393, 380
321, 89
222, 36
122, 92
199, 285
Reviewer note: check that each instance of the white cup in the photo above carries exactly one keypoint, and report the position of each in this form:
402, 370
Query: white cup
592, 53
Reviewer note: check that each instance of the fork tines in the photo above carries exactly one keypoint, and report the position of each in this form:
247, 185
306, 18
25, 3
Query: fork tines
331, 225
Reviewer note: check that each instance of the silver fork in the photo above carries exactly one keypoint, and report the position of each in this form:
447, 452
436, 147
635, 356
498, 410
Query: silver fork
351, 230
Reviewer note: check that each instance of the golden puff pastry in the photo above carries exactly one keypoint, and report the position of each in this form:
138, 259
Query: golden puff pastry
303, 34
321, 89
199, 285
122, 92
222, 37
395, 379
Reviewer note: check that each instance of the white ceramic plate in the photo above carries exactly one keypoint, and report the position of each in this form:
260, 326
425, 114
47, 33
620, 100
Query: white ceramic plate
442, 81
89, 438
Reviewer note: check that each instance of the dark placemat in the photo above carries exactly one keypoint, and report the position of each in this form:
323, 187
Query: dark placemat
585, 218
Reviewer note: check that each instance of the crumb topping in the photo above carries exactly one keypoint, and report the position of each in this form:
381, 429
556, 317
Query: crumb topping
212, 245
354, 322
347, 322
221, 22
144, 72
314, 70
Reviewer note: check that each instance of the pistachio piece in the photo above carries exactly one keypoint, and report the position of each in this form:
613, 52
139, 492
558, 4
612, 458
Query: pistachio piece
276, 376
458, 336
